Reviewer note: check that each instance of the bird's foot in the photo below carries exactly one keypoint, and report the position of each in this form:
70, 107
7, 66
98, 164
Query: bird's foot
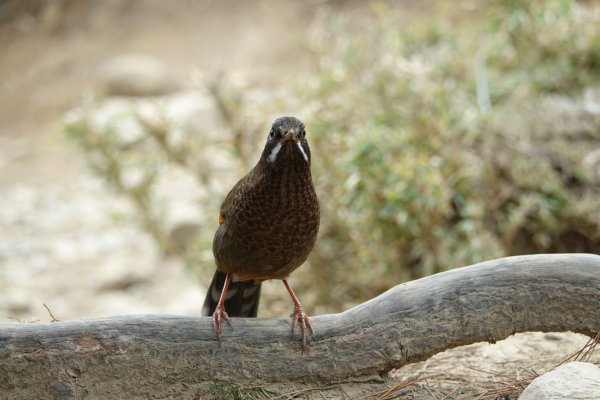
300, 318
219, 315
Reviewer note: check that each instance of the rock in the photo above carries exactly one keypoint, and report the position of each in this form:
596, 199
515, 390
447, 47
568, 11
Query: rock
197, 113
571, 381
184, 234
137, 75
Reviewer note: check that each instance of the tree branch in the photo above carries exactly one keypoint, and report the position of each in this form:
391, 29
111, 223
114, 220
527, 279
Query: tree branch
134, 356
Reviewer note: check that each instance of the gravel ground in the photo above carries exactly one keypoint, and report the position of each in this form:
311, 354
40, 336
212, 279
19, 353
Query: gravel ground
63, 243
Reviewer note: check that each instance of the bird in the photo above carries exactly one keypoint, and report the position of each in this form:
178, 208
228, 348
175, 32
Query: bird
268, 225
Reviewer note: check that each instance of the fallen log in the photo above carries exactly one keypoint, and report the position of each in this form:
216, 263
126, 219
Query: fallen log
140, 356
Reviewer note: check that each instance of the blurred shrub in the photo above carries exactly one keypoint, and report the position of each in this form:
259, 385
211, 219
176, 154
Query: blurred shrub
435, 146
145, 150
427, 156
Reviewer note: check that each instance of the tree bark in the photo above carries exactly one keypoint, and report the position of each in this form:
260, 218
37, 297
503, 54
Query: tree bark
141, 356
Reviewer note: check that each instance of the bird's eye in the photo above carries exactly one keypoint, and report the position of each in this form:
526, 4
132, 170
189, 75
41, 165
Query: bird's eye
272, 134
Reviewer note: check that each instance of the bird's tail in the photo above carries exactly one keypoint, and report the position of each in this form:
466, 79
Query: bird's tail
241, 299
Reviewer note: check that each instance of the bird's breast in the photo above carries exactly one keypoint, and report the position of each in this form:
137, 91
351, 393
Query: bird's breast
271, 229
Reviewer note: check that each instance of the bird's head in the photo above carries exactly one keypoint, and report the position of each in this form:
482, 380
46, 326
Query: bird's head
286, 143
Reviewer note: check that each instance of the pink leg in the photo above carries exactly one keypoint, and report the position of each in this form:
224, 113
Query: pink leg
299, 316
220, 312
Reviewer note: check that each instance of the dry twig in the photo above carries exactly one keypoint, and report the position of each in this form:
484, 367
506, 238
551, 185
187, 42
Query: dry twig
50, 312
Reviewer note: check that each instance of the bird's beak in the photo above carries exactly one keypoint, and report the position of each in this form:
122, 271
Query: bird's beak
290, 136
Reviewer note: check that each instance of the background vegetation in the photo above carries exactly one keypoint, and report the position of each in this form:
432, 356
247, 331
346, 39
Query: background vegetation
434, 146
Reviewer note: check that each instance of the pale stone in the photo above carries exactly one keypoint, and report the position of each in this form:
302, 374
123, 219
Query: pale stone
571, 381
138, 75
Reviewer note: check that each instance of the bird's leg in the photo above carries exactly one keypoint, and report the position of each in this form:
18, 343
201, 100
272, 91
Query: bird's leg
299, 316
220, 312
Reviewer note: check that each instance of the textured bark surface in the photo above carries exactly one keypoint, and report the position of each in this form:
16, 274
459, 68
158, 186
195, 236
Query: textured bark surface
158, 356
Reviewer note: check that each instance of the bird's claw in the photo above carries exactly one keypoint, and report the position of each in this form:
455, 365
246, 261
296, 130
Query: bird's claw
219, 315
300, 318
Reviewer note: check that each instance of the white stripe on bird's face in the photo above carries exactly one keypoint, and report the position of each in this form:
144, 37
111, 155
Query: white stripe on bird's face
302, 151
273, 155
275, 151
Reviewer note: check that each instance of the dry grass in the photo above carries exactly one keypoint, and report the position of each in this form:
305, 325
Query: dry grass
585, 354
506, 382
393, 392
511, 385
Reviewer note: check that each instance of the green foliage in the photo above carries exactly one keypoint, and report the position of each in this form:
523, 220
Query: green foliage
418, 169
434, 146
551, 46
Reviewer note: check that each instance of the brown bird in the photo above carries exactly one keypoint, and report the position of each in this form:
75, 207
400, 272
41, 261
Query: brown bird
267, 227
